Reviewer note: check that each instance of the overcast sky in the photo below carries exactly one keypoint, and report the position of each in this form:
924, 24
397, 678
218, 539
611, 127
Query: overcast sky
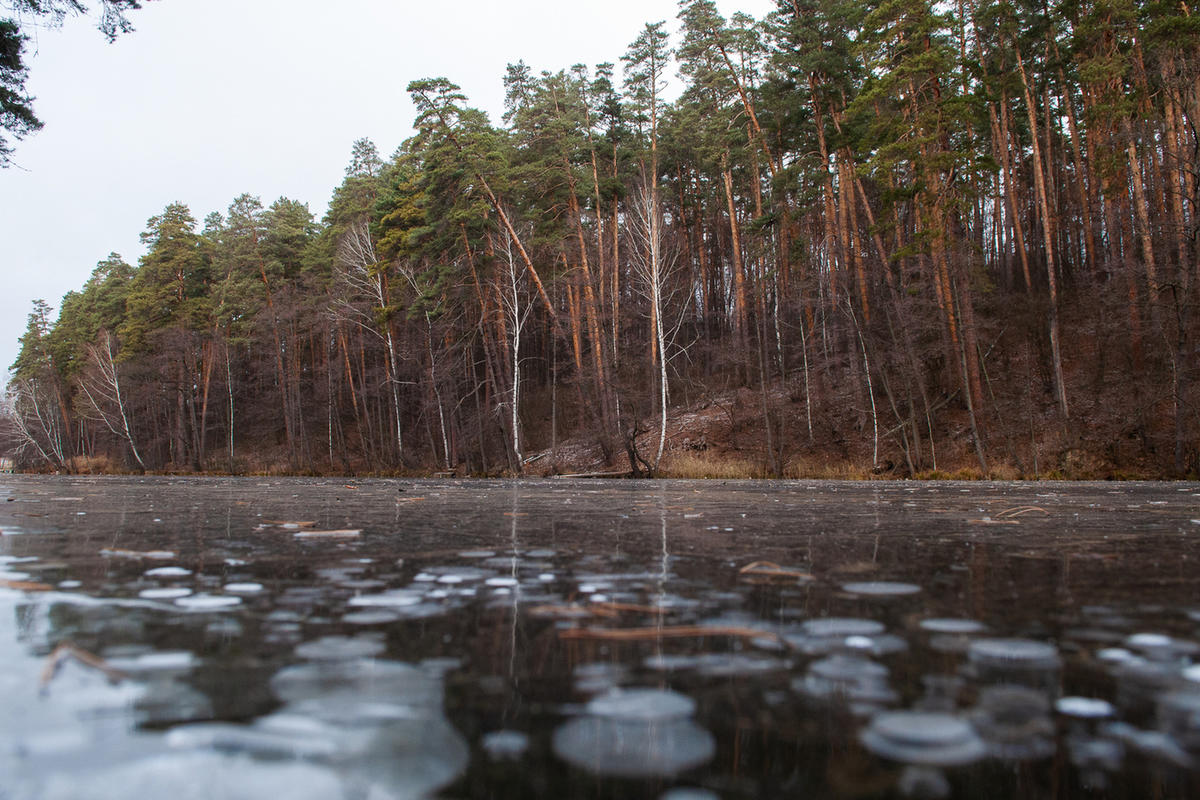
211, 98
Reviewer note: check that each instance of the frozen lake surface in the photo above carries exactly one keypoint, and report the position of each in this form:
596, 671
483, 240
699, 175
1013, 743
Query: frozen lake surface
328, 638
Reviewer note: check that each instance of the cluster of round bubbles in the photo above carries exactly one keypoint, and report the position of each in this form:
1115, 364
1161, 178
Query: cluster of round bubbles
924, 738
198, 776
826, 635
718, 665
881, 588
505, 745
1015, 722
1021, 662
1014, 654
852, 679
635, 733
385, 718
1084, 707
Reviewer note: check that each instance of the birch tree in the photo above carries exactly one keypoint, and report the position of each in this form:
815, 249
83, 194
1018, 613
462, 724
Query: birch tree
361, 276
101, 385
653, 264
516, 312
35, 419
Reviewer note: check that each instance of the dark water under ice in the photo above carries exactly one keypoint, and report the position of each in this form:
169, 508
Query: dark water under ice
300, 638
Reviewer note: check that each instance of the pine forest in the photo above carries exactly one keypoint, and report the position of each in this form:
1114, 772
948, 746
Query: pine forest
876, 237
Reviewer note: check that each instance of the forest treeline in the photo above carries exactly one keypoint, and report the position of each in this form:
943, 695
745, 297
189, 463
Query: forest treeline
890, 230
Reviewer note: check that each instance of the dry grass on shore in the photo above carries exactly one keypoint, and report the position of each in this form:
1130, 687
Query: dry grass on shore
698, 465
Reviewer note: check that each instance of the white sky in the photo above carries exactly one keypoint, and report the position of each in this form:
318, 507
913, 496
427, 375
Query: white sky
211, 98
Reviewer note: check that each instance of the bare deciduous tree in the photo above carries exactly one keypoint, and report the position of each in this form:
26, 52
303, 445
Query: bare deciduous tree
35, 422
653, 263
362, 276
101, 386
517, 313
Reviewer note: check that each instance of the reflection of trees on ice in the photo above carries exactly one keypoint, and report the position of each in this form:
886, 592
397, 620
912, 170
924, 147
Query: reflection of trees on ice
516, 589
